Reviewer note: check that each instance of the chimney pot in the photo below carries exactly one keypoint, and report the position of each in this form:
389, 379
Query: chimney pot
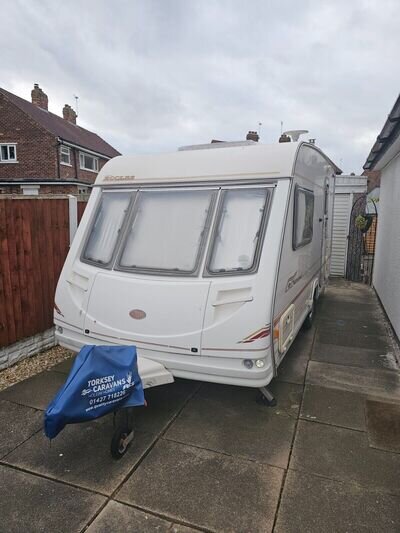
252, 136
39, 98
69, 114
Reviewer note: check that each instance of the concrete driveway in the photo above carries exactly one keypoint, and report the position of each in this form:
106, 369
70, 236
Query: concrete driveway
209, 458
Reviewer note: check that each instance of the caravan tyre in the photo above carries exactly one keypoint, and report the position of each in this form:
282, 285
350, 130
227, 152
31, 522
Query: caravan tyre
308, 322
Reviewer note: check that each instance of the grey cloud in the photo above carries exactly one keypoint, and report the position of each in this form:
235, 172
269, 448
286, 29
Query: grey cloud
152, 75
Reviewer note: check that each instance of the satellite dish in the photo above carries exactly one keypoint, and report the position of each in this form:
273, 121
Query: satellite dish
295, 134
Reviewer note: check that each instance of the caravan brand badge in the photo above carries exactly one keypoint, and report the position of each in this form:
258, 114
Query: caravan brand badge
137, 314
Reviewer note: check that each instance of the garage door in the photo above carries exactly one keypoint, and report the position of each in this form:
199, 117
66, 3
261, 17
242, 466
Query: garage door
341, 216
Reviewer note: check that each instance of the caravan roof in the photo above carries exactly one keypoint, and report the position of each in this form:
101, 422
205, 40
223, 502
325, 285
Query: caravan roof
273, 160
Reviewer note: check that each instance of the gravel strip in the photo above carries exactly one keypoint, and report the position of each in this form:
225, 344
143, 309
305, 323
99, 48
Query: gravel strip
33, 365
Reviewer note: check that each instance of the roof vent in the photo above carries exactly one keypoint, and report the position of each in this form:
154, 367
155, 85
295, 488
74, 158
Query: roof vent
294, 134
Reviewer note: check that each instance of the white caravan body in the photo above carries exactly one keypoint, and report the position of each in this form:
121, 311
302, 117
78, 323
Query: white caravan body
208, 261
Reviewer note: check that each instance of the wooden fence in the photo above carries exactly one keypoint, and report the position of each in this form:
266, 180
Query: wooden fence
34, 241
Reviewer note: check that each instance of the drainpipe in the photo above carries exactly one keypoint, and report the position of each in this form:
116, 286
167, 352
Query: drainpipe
76, 163
58, 158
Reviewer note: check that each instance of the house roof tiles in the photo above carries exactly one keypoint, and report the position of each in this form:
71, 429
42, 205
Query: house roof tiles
61, 128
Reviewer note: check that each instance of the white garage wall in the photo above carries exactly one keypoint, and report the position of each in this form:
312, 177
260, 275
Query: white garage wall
341, 217
387, 258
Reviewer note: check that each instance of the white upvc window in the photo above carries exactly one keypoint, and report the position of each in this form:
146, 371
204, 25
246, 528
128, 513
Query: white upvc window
88, 162
65, 155
8, 153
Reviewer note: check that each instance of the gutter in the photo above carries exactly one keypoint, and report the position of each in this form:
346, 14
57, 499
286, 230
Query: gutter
42, 182
83, 149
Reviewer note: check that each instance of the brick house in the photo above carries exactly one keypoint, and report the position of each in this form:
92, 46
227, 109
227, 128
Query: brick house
41, 152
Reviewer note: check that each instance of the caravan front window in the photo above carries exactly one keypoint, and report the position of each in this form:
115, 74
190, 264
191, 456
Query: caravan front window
107, 226
238, 234
167, 231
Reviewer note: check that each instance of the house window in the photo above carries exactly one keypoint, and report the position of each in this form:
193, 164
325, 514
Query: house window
88, 162
303, 217
8, 153
65, 155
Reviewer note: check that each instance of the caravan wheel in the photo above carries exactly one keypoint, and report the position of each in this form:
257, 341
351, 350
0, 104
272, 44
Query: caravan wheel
308, 322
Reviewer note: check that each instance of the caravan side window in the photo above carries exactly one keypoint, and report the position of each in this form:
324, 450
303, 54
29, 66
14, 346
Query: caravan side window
303, 217
238, 234
106, 228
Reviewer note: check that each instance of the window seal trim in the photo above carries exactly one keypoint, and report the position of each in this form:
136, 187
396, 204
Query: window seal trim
303, 243
109, 264
207, 272
167, 272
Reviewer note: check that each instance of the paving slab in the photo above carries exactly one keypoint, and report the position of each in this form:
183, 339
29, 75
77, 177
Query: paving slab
383, 425
362, 325
335, 407
353, 356
344, 455
205, 489
64, 367
343, 310
372, 382
33, 504
353, 339
18, 423
36, 392
313, 504
293, 368
227, 419
118, 517
80, 454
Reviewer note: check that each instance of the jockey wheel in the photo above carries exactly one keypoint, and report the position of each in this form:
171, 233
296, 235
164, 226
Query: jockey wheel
123, 434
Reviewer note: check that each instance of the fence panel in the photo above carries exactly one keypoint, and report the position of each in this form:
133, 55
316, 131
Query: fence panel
34, 241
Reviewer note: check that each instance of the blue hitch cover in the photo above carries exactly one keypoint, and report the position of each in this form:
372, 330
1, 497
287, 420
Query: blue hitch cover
102, 379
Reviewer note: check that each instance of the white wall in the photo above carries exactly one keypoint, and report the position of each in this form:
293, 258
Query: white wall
387, 258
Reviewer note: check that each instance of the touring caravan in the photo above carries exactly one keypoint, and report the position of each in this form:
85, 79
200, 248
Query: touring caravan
208, 260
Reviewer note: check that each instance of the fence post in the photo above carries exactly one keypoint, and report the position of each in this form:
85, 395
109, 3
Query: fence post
73, 216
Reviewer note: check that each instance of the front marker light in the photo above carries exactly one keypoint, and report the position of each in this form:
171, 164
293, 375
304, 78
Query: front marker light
260, 363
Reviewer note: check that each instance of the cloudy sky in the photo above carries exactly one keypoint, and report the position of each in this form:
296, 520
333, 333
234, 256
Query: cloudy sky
152, 75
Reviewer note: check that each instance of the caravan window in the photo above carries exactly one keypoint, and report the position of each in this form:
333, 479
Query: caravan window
238, 233
167, 231
107, 226
303, 217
